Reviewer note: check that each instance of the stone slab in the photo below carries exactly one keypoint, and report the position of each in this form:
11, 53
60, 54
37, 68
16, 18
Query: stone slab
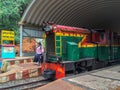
20, 71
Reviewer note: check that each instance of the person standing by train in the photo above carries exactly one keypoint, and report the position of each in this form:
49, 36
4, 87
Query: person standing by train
39, 51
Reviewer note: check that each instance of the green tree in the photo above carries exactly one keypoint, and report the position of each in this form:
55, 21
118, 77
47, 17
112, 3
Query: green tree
10, 14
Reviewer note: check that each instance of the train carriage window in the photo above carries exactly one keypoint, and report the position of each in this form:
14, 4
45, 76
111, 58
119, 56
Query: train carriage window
88, 38
108, 37
95, 37
118, 39
115, 37
102, 36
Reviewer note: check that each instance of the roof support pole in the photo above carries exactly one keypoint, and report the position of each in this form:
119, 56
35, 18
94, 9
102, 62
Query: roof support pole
21, 37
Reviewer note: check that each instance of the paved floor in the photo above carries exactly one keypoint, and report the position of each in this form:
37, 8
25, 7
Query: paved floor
106, 79
102, 79
60, 85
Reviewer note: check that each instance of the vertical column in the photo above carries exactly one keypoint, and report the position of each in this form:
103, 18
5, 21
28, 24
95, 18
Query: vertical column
21, 34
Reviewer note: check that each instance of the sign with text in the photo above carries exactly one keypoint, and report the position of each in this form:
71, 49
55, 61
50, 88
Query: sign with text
7, 35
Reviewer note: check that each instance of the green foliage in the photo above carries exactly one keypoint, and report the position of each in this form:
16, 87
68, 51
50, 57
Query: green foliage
10, 14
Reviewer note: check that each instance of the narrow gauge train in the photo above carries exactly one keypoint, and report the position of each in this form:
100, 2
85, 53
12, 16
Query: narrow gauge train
76, 49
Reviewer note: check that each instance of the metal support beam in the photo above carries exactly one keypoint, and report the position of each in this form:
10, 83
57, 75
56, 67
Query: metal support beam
21, 34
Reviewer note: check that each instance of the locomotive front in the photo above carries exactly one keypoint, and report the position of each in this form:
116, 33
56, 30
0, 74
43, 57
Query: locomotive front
63, 42
63, 46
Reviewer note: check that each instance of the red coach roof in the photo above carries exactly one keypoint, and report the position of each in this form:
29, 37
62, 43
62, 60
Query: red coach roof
60, 28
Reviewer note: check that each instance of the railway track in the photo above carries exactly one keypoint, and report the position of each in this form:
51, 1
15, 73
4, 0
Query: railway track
27, 86
30, 85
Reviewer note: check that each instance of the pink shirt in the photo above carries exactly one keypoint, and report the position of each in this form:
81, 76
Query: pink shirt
39, 50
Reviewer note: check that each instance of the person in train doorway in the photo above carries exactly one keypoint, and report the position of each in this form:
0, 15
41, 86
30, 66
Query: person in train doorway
39, 52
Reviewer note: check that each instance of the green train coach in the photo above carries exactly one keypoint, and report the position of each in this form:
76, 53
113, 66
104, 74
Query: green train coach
75, 49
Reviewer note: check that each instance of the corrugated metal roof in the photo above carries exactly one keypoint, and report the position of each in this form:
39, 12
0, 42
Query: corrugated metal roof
77, 13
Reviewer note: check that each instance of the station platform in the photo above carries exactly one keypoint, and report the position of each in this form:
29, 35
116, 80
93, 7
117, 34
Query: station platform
21, 71
102, 79
18, 60
18, 68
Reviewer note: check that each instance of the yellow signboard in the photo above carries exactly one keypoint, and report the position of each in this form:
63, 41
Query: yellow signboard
7, 35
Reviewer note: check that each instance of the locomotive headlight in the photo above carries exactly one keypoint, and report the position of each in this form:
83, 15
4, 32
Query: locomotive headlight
57, 59
54, 28
48, 28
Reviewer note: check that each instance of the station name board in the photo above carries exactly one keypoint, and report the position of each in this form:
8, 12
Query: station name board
7, 35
